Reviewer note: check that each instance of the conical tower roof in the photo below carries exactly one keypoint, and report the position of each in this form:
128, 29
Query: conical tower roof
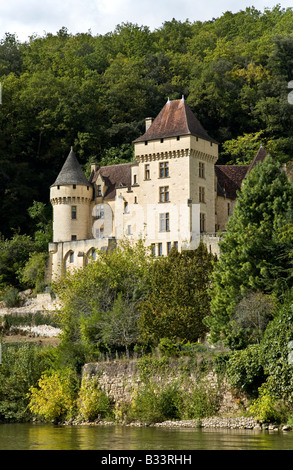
71, 172
175, 119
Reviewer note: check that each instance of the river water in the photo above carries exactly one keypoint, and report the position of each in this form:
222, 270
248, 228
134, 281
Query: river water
112, 438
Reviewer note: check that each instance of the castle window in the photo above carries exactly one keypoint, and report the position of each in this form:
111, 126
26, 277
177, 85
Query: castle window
164, 169
100, 232
160, 249
126, 208
176, 245
135, 199
94, 254
73, 212
128, 229
100, 211
201, 170
164, 194
58, 187
147, 174
168, 247
178, 137
134, 179
202, 222
229, 208
162, 140
74, 186
99, 190
71, 257
153, 249
164, 222
201, 194
73, 237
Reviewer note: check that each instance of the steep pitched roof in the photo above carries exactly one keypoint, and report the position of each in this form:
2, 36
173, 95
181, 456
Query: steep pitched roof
71, 172
259, 158
229, 179
115, 176
175, 119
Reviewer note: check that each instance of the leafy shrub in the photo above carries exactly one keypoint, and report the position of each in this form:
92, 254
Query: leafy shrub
168, 348
33, 273
55, 397
21, 368
93, 403
146, 406
11, 297
204, 402
245, 370
171, 402
267, 408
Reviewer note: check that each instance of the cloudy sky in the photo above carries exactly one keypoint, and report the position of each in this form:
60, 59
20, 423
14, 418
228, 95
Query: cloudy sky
28, 17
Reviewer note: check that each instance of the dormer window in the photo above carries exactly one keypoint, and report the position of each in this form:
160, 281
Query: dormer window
99, 190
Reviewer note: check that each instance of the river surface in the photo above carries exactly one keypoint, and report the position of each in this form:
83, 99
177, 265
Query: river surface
112, 438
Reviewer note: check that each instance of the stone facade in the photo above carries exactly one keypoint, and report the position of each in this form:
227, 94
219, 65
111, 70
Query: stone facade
172, 194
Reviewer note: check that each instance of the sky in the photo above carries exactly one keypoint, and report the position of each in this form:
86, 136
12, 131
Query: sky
25, 18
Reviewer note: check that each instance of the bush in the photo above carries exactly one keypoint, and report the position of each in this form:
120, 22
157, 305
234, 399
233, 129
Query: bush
267, 408
204, 402
21, 368
92, 402
171, 402
146, 406
168, 348
11, 297
55, 397
245, 370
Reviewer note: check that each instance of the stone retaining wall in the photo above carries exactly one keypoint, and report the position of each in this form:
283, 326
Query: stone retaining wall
121, 379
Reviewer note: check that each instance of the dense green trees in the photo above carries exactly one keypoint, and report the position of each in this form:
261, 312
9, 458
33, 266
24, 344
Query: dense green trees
178, 298
101, 301
94, 92
255, 257
127, 298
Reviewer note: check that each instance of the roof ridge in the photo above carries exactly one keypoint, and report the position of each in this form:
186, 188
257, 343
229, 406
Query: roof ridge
172, 121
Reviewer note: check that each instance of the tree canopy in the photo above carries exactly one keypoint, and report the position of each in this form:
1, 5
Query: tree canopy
255, 256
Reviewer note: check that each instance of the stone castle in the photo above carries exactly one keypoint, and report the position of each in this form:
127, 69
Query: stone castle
172, 194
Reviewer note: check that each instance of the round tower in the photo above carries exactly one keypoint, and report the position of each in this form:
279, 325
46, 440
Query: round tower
71, 196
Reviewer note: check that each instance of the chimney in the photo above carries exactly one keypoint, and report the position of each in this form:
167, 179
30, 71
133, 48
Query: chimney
148, 123
94, 167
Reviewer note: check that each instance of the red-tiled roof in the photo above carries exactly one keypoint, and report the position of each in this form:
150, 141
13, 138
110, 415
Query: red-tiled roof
114, 176
175, 119
259, 157
229, 179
